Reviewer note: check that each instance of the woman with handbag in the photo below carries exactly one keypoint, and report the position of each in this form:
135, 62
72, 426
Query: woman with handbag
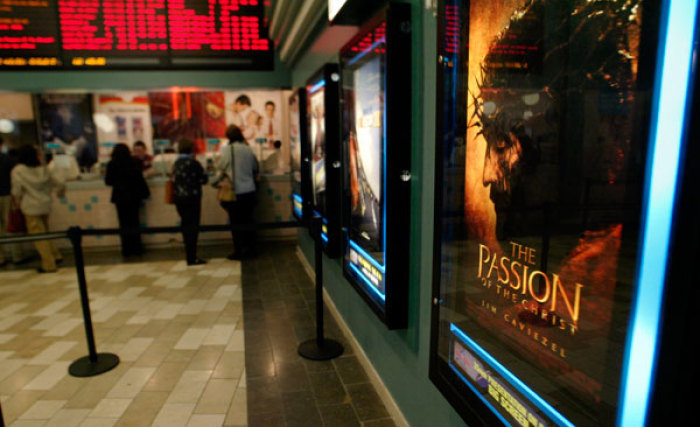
129, 188
32, 183
188, 177
238, 170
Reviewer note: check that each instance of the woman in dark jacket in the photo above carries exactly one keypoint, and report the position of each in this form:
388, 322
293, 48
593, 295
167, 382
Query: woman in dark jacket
128, 189
188, 178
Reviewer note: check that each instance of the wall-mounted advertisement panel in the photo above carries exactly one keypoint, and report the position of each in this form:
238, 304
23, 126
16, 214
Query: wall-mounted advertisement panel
546, 110
122, 117
300, 157
377, 118
67, 127
323, 121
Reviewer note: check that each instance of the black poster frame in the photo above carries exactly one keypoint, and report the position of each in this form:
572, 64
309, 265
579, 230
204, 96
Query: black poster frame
465, 401
396, 194
329, 77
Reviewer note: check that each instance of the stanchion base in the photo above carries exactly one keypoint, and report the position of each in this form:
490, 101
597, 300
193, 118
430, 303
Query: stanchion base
83, 367
329, 349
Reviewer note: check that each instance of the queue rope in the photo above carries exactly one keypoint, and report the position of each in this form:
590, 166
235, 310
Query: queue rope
96, 363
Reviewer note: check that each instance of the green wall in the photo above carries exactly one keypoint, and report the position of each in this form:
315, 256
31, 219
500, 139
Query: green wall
38, 81
401, 357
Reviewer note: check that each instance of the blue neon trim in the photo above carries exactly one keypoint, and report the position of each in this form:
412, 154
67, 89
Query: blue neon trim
512, 379
297, 197
662, 175
323, 218
317, 86
298, 212
368, 283
479, 394
384, 155
366, 51
324, 237
367, 256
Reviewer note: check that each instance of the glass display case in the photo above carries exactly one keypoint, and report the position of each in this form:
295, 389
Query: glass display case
549, 217
325, 176
377, 133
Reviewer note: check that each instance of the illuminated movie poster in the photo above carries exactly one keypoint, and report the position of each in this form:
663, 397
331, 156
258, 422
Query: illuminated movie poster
366, 157
540, 191
122, 117
67, 127
317, 137
295, 148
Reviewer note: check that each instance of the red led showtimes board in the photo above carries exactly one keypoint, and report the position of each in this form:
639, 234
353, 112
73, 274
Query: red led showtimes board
134, 34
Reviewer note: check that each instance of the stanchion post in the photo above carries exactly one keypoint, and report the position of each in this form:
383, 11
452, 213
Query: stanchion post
94, 363
2, 420
319, 348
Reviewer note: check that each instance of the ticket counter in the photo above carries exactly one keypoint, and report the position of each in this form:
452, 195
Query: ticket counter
87, 204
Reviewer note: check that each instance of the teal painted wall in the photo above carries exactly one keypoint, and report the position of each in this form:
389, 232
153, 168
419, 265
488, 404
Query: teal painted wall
401, 357
39, 81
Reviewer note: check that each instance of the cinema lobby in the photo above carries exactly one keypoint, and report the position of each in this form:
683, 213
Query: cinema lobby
348, 212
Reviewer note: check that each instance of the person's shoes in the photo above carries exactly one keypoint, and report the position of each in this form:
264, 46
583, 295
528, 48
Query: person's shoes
41, 270
197, 262
233, 256
59, 261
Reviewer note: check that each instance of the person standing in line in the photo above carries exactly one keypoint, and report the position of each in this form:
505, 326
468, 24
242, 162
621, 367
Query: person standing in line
188, 178
238, 164
32, 183
6, 165
128, 190
145, 160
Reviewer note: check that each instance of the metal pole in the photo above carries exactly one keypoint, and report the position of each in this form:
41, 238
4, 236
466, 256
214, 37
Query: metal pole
319, 348
318, 266
93, 363
76, 240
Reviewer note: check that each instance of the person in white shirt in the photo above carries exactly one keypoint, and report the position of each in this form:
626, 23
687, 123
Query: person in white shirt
32, 184
270, 125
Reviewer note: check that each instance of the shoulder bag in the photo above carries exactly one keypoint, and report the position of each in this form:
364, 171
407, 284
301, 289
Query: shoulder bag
227, 192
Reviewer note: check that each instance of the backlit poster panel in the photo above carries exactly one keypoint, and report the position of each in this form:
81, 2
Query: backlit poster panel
317, 139
541, 186
258, 113
122, 117
366, 158
66, 126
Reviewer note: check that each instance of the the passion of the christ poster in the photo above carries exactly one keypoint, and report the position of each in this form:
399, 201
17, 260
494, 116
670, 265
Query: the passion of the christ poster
317, 138
366, 156
541, 182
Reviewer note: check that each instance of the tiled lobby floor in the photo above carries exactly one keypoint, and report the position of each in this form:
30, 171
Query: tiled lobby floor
179, 333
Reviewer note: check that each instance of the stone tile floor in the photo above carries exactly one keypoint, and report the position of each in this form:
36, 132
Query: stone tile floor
181, 334
283, 388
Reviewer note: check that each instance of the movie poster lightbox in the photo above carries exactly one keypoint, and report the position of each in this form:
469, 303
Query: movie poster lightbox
376, 66
555, 163
323, 143
300, 154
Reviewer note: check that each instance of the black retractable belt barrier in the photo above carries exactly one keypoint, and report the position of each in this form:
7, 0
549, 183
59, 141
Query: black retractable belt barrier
319, 348
94, 363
